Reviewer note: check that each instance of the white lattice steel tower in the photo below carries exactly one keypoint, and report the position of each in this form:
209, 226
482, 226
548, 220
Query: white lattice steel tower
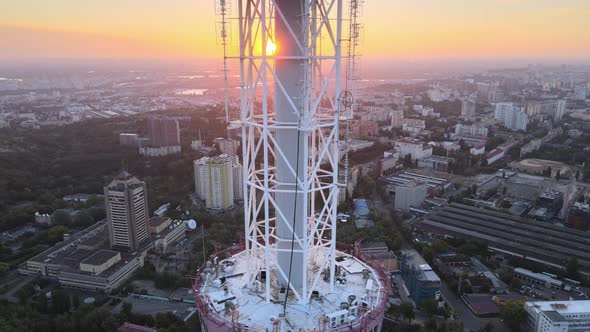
290, 276
290, 47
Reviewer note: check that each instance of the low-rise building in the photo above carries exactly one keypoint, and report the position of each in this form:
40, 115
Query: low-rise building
387, 165
502, 299
413, 126
421, 281
472, 131
159, 151
128, 327
173, 232
477, 149
128, 139
227, 146
362, 218
410, 194
436, 163
558, 316
362, 129
413, 147
578, 216
86, 261
495, 155
531, 146
540, 166
42, 218
454, 265
531, 277
81, 198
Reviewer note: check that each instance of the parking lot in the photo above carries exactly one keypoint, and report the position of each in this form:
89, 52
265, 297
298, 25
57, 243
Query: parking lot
154, 306
537, 292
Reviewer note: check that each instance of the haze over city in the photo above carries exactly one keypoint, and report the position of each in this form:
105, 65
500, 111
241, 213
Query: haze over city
416, 30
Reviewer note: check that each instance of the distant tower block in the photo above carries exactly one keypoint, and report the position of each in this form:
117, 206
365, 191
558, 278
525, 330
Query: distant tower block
290, 277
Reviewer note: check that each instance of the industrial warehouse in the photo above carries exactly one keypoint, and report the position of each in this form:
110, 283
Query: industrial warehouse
542, 242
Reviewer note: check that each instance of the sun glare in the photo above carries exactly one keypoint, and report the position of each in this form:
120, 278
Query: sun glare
271, 47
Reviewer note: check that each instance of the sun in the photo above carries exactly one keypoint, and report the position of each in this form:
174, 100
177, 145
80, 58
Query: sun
271, 47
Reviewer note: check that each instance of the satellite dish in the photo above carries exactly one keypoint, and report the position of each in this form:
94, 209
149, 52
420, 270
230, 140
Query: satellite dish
192, 224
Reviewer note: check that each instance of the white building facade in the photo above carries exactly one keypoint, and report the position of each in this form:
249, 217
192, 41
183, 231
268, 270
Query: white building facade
218, 181
511, 116
558, 316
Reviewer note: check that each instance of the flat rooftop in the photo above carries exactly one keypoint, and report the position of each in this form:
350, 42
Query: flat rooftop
411, 257
258, 314
67, 255
541, 241
361, 207
67, 249
157, 221
100, 257
563, 307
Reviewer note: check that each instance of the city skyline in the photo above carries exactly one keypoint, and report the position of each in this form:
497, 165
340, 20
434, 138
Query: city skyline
420, 30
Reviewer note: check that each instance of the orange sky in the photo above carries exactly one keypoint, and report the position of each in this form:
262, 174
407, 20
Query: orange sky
392, 28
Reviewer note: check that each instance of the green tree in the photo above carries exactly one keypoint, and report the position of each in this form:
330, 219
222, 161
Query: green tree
4, 268
83, 218
489, 327
572, 268
60, 301
513, 314
430, 325
430, 307
42, 305
394, 311
61, 217
515, 283
407, 311
455, 326
56, 233
440, 246
427, 253
365, 187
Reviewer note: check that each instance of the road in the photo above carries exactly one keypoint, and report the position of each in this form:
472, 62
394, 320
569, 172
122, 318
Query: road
470, 321
9, 295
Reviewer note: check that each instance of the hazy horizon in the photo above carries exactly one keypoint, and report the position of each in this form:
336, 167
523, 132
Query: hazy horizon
422, 30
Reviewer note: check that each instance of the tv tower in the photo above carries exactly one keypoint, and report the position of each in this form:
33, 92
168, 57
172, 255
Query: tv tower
290, 275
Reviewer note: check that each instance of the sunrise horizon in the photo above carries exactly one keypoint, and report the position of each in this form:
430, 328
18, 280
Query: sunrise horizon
423, 30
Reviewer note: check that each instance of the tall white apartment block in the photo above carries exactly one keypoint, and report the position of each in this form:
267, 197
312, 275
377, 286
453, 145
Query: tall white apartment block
397, 118
511, 116
467, 108
559, 110
218, 181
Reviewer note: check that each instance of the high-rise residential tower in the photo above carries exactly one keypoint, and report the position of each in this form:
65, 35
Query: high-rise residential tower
127, 212
559, 110
163, 131
218, 181
511, 116
467, 108
397, 118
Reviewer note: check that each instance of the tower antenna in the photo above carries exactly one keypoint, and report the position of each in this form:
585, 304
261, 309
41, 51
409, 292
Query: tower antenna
223, 10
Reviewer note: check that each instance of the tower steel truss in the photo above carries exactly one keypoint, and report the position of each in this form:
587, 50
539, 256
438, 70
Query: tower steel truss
290, 57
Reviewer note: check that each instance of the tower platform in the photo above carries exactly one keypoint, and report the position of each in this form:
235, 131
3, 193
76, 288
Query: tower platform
225, 303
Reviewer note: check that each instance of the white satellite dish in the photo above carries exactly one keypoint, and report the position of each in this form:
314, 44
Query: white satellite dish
192, 224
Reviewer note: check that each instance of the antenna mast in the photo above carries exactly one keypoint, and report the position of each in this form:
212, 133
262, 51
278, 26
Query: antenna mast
223, 10
349, 96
